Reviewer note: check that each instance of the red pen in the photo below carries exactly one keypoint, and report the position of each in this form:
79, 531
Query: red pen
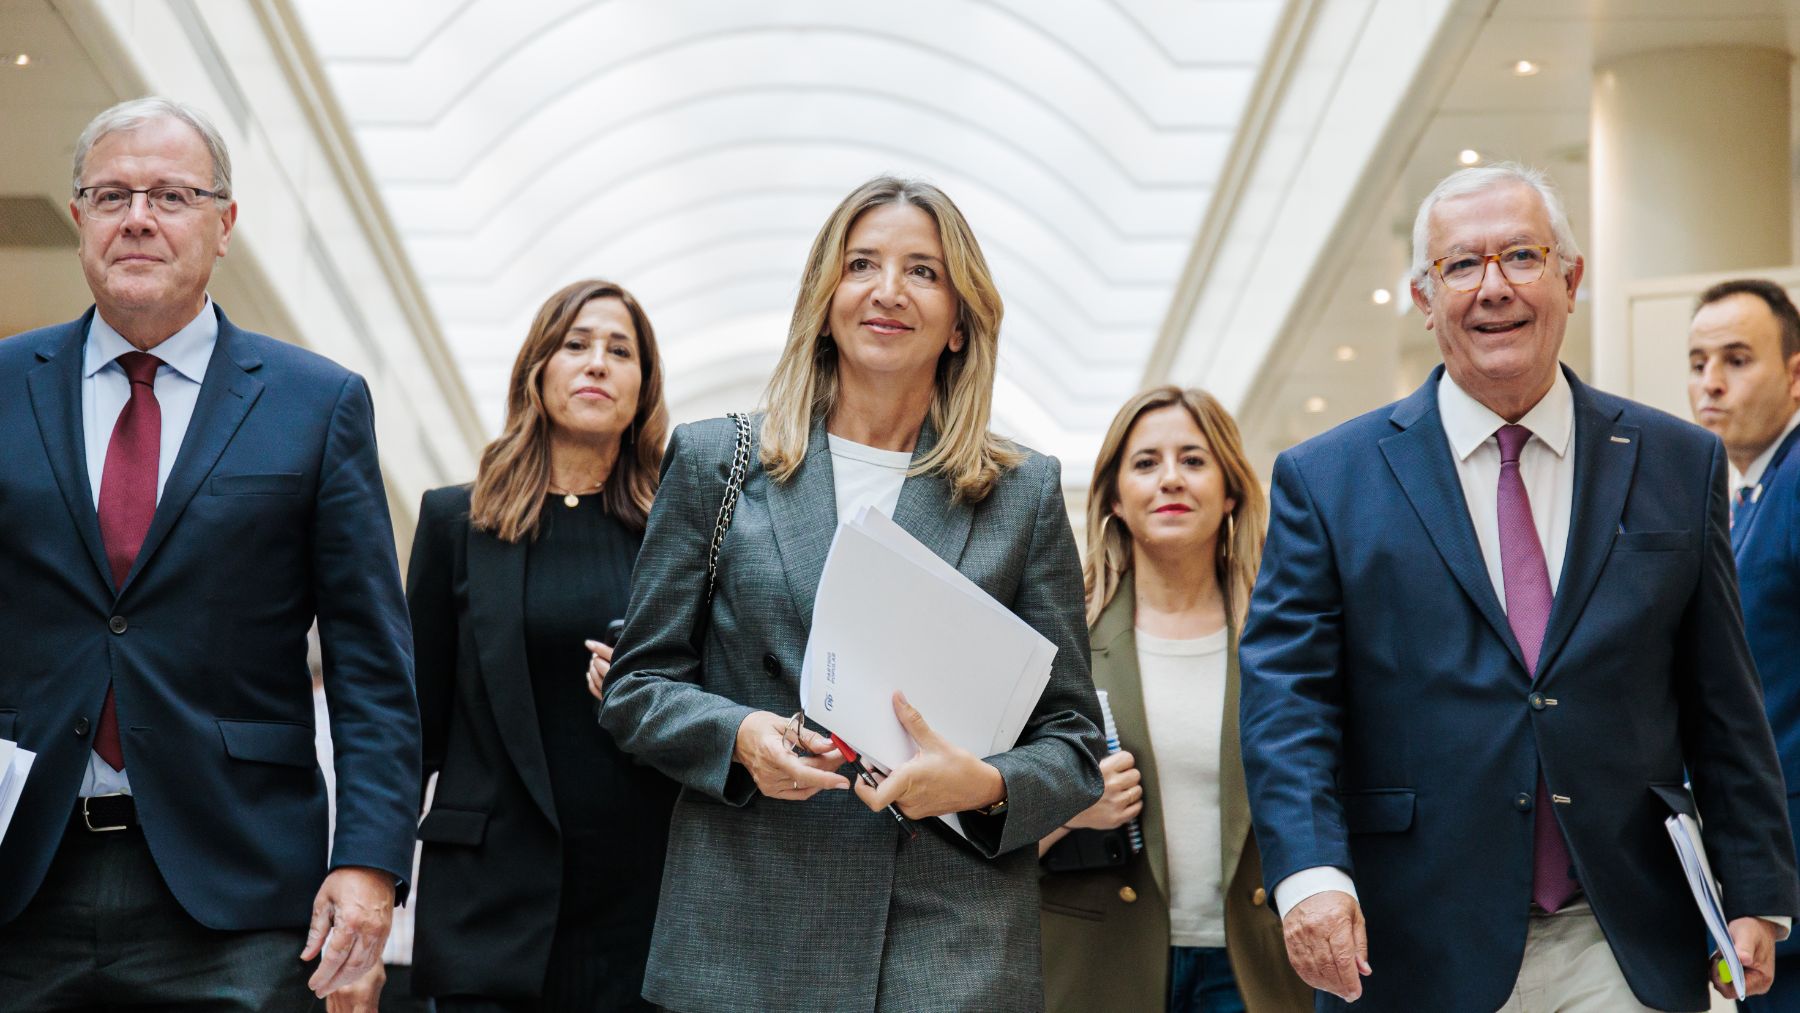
868, 777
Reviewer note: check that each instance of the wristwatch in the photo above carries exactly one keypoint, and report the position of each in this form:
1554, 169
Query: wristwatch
992, 810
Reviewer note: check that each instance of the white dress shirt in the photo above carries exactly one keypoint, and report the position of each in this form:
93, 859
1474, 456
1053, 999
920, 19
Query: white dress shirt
104, 392
1548, 470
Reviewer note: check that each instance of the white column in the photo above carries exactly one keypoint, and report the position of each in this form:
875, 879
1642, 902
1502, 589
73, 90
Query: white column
1689, 174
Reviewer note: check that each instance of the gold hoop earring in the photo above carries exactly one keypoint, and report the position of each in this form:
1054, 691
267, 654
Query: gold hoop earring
1124, 533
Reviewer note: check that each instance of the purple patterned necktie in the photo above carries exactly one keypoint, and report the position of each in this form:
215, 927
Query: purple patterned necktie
1527, 580
127, 504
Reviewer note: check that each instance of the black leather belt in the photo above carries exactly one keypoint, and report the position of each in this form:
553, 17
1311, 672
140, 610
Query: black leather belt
101, 813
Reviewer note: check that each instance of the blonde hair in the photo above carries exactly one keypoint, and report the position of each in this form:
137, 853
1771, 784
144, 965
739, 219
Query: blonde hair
804, 386
515, 469
1237, 553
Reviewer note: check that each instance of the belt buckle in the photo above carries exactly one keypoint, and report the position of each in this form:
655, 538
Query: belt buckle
87, 817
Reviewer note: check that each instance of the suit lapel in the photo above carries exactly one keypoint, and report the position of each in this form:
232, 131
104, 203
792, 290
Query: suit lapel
497, 605
803, 515
1605, 459
929, 511
55, 387
1420, 458
1746, 513
1116, 670
1234, 792
226, 396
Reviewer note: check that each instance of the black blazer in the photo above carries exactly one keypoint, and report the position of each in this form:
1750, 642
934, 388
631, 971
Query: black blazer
493, 854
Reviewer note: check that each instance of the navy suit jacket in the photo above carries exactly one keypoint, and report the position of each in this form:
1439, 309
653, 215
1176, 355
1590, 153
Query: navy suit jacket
274, 513
1390, 729
1766, 541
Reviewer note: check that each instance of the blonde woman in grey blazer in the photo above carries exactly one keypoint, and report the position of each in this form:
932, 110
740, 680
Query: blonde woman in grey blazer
785, 888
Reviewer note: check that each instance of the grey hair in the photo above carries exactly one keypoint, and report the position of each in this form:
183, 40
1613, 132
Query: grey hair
134, 113
1474, 180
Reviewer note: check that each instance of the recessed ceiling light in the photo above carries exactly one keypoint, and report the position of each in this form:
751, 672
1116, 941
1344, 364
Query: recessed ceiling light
22, 60
1468, 156
1346, 353
1315, 405
1381, 297
1525, 68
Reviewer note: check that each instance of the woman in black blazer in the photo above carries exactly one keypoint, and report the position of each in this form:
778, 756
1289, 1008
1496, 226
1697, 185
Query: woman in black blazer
543, 846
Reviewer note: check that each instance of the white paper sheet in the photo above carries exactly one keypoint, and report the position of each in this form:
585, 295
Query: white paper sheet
1685, 832
15, 767
890, 615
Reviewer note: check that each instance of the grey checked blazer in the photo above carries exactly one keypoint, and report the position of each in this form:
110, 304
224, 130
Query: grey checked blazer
817, 905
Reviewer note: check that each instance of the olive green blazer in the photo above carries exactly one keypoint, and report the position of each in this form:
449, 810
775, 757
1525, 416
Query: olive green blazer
1106, 931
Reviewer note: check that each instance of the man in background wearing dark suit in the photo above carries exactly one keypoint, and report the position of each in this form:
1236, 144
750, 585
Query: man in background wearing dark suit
1744, 385
1495, 629
179, 500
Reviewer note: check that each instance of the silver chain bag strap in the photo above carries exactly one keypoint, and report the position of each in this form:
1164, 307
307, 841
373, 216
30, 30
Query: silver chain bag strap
740, 468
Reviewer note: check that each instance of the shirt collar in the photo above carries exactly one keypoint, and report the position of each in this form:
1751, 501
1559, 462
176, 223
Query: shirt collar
1468, 423
187, 351
1753, 474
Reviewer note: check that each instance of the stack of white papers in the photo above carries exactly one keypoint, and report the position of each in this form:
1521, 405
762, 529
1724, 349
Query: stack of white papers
890, 616
1685, 832
15, 766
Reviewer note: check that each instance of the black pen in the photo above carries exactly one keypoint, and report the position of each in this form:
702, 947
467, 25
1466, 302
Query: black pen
907, 826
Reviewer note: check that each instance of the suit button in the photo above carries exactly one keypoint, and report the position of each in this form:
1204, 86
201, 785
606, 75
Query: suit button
1537, 701
81, 727
1522, 801
117, 624
772, 666
1260, 897
1128, 895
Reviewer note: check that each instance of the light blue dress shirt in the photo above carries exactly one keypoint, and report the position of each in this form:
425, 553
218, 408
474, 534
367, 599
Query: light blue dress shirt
104, 392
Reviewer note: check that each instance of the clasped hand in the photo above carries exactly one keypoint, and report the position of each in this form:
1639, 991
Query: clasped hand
941, 777
1120, 802
768, 754
1754, 940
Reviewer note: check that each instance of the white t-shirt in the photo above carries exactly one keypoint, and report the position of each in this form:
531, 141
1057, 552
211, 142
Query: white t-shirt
1184, 703
866, 476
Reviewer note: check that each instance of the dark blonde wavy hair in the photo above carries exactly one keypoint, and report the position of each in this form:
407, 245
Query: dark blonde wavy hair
515, 468
805, 383
1236, 553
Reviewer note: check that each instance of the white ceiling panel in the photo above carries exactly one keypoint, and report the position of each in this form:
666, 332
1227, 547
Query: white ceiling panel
689, 149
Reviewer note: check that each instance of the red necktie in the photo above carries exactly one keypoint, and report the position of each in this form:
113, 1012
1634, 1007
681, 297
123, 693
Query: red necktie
1526, 577
127, 502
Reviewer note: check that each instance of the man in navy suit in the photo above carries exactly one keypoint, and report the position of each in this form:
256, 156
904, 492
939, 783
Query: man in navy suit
1744, 385
1495, 631
179, 501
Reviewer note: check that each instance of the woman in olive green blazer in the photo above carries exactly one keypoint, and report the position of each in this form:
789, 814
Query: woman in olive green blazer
1156, 494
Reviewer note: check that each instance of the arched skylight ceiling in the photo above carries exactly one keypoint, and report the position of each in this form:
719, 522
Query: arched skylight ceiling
689, 149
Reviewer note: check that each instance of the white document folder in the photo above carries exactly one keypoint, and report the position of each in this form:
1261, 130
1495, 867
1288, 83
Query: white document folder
1684, 830
15, 766
890, 615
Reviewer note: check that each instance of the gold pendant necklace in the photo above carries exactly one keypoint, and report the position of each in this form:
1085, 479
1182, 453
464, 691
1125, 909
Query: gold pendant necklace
572, 498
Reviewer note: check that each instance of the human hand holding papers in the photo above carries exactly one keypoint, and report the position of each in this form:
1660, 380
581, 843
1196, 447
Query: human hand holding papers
15, 766
1746, 946
940, 779
891, 617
